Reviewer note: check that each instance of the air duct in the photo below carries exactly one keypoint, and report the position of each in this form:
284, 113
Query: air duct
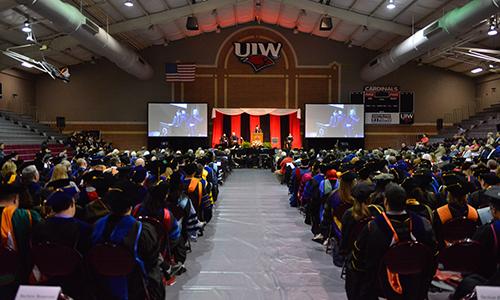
71, 21
443, 30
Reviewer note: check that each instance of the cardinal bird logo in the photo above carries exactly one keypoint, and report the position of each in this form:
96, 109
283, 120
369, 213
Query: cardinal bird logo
258, 62
258, 55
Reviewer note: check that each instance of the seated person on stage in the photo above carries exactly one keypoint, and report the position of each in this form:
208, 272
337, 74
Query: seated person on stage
224, 142
120, 228
289, 141
488, 236
393, 226
257, 129
62, 228
457, 189
15, 235
234, 139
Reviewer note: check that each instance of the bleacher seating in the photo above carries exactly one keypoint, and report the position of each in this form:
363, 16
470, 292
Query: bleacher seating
28, 152
478, 125
23, 129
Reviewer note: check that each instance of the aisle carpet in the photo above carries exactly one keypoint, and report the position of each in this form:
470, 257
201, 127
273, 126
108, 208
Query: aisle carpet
257, 247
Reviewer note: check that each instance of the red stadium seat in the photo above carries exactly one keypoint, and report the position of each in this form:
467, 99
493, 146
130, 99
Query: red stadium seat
458, 229
8, 262
461, 256
55, 260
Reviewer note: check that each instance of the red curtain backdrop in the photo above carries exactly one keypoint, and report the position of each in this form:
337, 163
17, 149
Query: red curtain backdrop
254, 121
217, 128
295, 130
275, 130
236, 125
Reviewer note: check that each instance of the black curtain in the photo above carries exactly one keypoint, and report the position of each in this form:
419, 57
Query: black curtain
245, 126
266, 127
226, 125
284, 127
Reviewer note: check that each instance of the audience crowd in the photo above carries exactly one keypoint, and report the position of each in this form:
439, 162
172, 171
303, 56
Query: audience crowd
104, 224
401, 223
111, 224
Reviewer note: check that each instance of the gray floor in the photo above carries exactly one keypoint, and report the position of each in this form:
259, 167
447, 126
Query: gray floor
257, 247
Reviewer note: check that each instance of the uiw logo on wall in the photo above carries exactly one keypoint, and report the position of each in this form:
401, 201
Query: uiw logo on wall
258, 55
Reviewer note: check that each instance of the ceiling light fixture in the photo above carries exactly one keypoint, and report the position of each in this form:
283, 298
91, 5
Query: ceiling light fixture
493, 30
391, 4
326, 23
192, 23
128, 3
27, 26
27, 65
476, 70
295, 30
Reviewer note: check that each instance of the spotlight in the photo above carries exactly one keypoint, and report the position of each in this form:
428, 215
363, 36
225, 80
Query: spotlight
391, 5
30, 37
493, 30
476, 70
26, 65
326, 24
27, 26
192, 23
295, 30
128, 3
217, 30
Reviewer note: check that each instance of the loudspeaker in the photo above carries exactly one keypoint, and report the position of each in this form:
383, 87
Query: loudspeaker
406, 105
60, 122
498, 127
356, 97
439, 124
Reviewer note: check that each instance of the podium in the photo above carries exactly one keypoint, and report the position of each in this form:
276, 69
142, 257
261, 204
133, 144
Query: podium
257, 137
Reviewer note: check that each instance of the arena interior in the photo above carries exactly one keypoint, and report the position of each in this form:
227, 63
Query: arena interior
249, 149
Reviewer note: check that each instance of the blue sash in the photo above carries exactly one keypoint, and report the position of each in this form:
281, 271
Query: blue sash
119, 284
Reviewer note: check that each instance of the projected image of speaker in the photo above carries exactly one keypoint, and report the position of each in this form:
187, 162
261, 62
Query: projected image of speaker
334, 121
177, 120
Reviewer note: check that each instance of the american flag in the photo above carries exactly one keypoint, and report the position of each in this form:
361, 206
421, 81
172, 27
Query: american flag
180, 72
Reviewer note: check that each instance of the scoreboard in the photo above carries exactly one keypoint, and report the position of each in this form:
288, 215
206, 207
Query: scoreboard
381, 99
387, 105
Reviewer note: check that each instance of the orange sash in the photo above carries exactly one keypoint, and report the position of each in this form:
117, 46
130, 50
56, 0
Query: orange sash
393, 278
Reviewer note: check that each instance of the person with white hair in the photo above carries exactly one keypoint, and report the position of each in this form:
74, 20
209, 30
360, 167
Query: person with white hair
140, 162
30, 178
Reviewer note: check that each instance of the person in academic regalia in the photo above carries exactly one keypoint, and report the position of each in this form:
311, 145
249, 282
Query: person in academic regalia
17, 224
224, 142
257, 129
457, 189
392, 226
120, 228
487, 236
289, 141
62, 228
234, 139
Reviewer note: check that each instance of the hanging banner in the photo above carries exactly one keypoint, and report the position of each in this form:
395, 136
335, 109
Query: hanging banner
382, 118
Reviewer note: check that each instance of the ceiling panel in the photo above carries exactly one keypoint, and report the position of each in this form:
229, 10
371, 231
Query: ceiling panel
343, 3
176, 3
207, 22
289, 15
270, 10
308, 21
129, 12
245, 12
153, 6
366, 6
225, 16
